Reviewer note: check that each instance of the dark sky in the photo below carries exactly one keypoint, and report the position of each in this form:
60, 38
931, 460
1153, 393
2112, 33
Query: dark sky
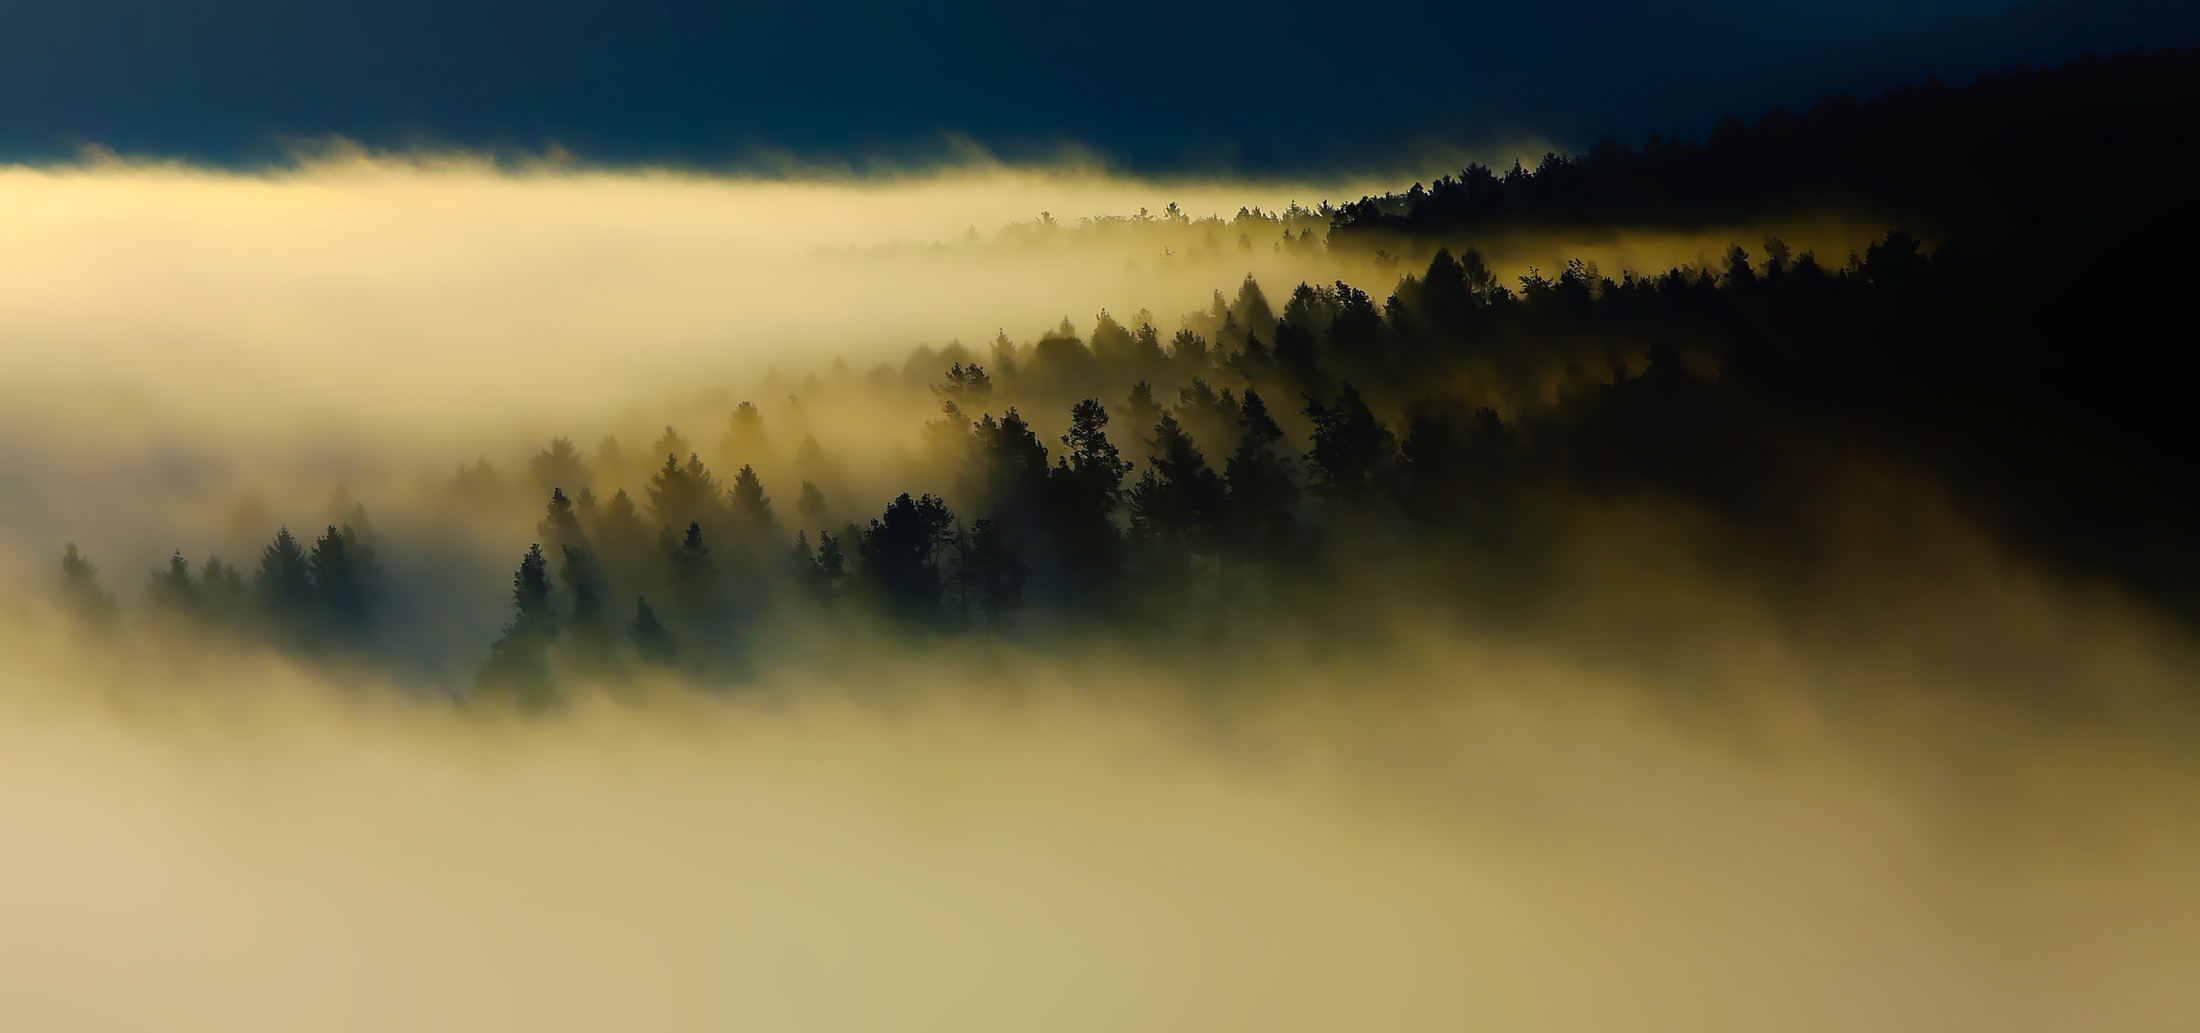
1151, 85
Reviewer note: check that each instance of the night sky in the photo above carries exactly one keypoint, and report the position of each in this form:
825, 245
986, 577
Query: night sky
1149, 86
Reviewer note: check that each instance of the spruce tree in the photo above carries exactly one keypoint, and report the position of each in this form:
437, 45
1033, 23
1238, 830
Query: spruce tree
282, 590
339, 587
519, 660
173, 590
81, 593
652, 642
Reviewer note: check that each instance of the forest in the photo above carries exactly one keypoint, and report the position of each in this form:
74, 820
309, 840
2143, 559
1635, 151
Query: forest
1285, 454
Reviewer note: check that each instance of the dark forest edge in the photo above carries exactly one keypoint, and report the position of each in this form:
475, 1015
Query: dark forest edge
1237, 473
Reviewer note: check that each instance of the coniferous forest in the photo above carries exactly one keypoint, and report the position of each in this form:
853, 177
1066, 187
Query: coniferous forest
1271, 459
1408, 517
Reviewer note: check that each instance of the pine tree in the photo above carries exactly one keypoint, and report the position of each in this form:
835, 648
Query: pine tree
339, 587
531, 589
282, 589
1084, 490
558, 467
811, 505
589, 628
681, 494
1177, 504
831, 567
174, 590
561, 524
1261, 494
744, 441
802, 560
752, 509
1004, 468
900, 571
81, 592
1352, 452
995, 574
697, 608
519, 660
652, 642
222, 595
1142, 409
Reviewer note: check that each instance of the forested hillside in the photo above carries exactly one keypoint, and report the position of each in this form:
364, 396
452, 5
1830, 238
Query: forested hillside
1289, 452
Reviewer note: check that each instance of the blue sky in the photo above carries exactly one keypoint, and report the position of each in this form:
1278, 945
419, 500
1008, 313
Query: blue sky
1146, 84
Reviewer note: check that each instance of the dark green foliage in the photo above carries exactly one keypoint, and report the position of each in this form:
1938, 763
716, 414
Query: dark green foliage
832, 566
695, 597
531, 592
222, 594
1209, 416
1963, 351
811, 505
965, 385
282, 590
993, 574
81, 593
558, 467
1258, 518
1352, 453
684, 493
1083, 492
1005, 468
821, 570
752, 510
561, 522
652, 642
900, 569
589, 629
341, 587
1451, 461
174, 590
1176, 506
745, 441
519, 660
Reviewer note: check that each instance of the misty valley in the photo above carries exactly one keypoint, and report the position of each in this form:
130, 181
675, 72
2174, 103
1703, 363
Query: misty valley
1744, 583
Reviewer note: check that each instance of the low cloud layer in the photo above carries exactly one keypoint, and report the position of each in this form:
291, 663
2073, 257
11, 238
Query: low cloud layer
1463, 834
1921, 786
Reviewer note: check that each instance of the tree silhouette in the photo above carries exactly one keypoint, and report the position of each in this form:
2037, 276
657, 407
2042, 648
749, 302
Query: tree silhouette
81, 593
994, 573
900, 571
222, 595
588, 631
559, 466
561, 522
652, 642
811, 505
1176, 506
340, 588
519, 660
1084, 489
752, 511
1352, 451
745, 441
174, 589
682, 494
282, 590
1260, 492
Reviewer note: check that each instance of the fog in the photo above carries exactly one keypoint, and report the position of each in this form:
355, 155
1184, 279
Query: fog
1937, 787
1466, 833
350, 288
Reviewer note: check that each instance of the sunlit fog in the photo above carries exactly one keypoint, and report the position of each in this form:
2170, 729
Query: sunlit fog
1671, 587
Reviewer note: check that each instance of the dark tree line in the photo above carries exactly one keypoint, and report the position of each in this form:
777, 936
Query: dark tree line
316, 596
1269, 462
2066, 144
